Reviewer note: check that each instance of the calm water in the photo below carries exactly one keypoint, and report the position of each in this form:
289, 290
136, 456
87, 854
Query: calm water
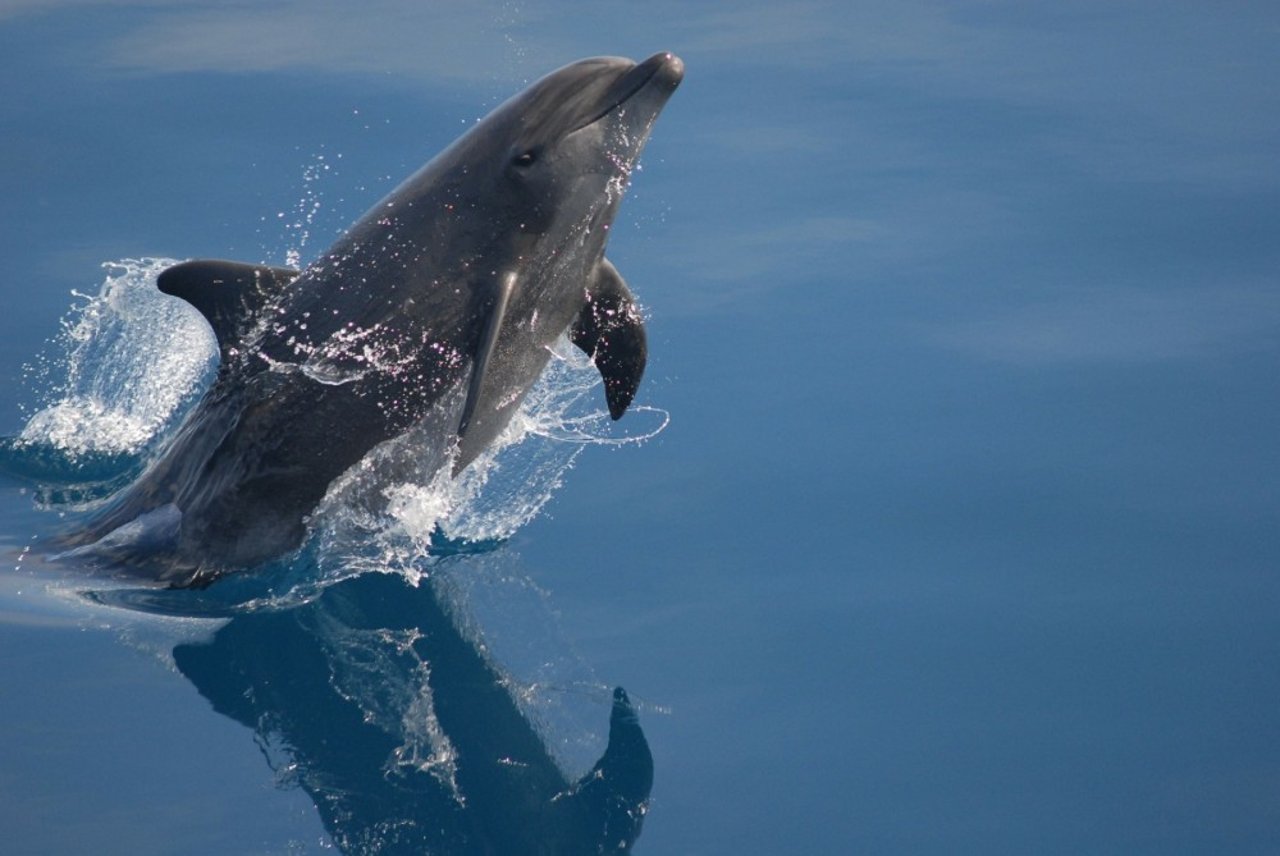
961, 538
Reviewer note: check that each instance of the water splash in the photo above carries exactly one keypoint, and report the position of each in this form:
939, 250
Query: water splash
402, 507
299, 222
126, 364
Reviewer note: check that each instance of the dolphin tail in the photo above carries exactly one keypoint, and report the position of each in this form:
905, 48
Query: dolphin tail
610, 330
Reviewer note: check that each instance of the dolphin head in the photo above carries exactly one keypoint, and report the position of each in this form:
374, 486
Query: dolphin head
580, 154
608, 102
583, 102
561, 150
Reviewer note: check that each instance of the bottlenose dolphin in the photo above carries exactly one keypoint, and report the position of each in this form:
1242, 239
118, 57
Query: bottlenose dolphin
438, 304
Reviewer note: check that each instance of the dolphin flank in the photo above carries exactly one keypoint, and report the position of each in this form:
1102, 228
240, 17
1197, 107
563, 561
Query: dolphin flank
437, 308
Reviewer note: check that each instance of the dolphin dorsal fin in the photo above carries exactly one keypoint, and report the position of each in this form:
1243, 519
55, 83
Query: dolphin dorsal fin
230, 295
609, 329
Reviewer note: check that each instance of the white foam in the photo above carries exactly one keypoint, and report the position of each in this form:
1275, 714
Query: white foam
126, 363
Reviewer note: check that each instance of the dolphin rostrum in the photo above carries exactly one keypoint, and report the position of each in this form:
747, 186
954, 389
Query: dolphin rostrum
441, 302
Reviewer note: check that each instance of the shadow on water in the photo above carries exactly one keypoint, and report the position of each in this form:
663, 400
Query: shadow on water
405, 736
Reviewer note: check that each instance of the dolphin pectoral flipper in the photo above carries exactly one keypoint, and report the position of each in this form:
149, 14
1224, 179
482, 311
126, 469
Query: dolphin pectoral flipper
488, 342
229, 295
610, 330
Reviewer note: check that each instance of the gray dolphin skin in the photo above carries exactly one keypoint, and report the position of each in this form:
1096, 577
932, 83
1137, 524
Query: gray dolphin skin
439, 304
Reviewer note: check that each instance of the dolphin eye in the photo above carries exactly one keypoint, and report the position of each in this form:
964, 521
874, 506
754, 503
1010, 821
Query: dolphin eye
525, 159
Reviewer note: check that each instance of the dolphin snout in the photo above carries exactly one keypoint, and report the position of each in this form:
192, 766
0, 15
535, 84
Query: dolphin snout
651, 82
661, 72
666, 69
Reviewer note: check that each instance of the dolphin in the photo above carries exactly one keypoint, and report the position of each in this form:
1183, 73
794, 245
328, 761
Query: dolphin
437, 307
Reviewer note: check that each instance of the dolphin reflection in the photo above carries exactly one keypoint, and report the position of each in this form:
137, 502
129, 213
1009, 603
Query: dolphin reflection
406, 737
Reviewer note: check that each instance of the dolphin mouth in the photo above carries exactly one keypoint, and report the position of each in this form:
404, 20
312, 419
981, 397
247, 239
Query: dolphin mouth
662, 72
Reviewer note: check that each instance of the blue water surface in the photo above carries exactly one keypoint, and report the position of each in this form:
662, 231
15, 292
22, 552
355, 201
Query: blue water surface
963, 533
